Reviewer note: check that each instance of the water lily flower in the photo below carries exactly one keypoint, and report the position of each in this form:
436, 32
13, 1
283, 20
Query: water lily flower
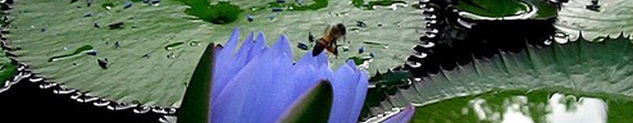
258, 83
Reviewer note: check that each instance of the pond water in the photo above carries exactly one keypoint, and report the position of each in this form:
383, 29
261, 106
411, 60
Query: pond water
144, 38
529, 107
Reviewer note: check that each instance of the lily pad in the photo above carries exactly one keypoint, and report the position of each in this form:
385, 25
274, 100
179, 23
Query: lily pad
615, 17
506, 9
130, 77
7, 69
582, 66
140, 68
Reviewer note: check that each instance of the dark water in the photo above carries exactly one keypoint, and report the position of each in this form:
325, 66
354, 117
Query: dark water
25, 102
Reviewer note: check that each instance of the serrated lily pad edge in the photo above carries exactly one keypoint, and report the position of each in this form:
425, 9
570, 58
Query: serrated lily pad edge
5, 6
380, 117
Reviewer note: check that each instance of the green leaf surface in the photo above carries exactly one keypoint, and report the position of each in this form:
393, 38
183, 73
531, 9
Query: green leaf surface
7, 69
221, 13
582, 66
196, 105
614, 17
313, 107
493, 8
141, 69
506, 9
391, 78
369, 5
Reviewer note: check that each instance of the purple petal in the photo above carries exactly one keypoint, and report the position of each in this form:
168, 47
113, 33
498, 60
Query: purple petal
359, 99
239, 60
223, 58
258, 84
344, 87
244, 50
282, 46
227, 106
300, 82
260, 45
322, 59
229, 48
403, 116
304, 78
261, 89
351, 64
283, 85
288, 90
306, 60
326, 73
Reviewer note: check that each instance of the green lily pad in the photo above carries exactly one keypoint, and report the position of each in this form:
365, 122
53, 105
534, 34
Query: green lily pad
494, 8
7, 69
141, 69
615, 17
582, 66
369, 5
132, 73
506, 9
221, 13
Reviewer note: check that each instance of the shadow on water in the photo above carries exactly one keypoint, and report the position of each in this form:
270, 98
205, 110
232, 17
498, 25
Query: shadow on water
484, 40
458, 40
25, 102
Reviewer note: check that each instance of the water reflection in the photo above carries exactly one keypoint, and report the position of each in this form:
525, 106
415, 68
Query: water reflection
583, 110
560, 108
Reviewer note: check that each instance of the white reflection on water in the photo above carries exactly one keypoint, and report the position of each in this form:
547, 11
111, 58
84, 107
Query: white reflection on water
480, 108
561, 109
586, 110
517, 111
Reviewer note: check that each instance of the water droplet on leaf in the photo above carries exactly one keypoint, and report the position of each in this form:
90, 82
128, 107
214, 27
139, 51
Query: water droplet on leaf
194, 43
97, 25
171, 55
361, 50
127, 5
277, 9
103, 63
146, 56
92, 52
249, 18
173, 46
88, 14
116, 25
302, 46
361, 24
117, 44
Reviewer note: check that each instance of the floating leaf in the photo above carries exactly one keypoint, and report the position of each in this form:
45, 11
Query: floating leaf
7, 69
141, 61
613, 19
506, 9
597, 67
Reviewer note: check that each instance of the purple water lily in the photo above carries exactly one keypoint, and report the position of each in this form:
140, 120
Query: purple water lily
258, 83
